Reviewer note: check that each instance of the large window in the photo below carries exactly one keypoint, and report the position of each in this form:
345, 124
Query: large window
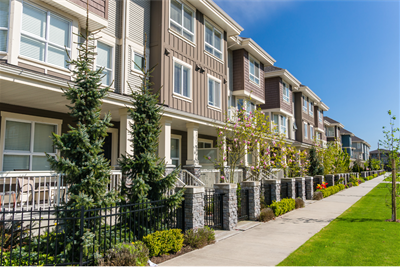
311, 132
276, 123
250, 107
305, 130
182, 79
138, 61
182, 19
104, 60
286, 92
311, 108
45, 36
25, 143
176, 151
213, 40
320, 115
254, 70
214, 92
283, 125
4, 17
330, 132
304, 103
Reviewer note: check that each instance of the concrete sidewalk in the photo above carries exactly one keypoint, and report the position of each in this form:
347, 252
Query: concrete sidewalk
271, 242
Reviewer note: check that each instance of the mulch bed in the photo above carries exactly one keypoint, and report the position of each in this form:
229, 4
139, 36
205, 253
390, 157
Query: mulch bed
163, 258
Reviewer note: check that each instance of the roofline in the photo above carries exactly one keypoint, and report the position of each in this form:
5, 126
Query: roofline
307, 90
324, 106
262, 52
285, 73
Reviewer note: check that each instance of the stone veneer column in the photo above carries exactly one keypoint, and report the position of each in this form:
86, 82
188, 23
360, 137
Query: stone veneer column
230, 217
254, 198
309, 181
272, 190
292, 186
301, 182
330, 179
320, 179
194, 206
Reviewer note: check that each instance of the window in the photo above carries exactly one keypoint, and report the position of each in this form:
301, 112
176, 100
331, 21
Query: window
320, 115
182, 79
311, 109
318, 136
25, 143
305, 130
205, 144
331, 132
276, 123
4, 16
286, 93
138, 62
283, 125
304, 103
214, 92
175, 151
104, 60
250, 107
240, 104
311, 132
213, 40
182, 19
254, 70
45, 36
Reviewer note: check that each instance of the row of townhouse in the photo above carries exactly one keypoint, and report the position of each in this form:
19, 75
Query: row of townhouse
205, 71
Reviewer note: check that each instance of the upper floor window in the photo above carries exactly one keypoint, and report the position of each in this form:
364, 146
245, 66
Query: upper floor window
45, 36
286, 92
305, 130
182, 19
139, 61
4, 16
213, 40
104, 60
276, 123
311, 132
254, 70
304, 103
319, 136
283, 124
320, 115
205, 144
311, 108
182, 78
214, 92
240, 103
250, 107
330, 132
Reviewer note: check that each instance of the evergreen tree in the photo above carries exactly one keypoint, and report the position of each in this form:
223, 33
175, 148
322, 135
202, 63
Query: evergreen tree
144, 170
82, 162
315, 167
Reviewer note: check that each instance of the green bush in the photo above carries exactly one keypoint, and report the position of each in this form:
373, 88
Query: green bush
266, 215
126, 254
318, 195
164, 242
198, 238
299, 203
283, 206
332, 190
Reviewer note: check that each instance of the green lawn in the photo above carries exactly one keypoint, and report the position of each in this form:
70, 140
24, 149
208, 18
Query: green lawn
389, 179
360, 236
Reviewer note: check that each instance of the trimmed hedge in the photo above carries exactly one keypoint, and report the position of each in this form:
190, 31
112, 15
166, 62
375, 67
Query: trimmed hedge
164, 242
332, 190
283, 206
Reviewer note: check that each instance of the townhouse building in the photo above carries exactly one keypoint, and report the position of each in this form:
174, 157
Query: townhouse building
346, 138
332, 130
361, 149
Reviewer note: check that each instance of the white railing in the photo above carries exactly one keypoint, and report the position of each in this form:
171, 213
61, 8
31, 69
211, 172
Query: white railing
30, 189
189, 179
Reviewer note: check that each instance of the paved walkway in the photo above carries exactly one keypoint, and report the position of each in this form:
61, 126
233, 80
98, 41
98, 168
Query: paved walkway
270, 243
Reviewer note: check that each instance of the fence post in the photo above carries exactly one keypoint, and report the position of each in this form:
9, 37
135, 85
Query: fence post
309, 187
81, 234
301, 182
229, 198
253, 198
193, 206
330, 179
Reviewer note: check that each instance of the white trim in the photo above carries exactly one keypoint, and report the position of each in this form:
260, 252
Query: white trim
245, 93
259, 71
179, 138
176, 60
173, 32
311, 132
114, 145
181, 97
286, 98
210, 77
279, 110
305, 132
208, 141
8, 27
286, 75
5, 116
221, 32
189, 6
112, 59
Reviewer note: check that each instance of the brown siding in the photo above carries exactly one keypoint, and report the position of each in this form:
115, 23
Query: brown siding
272, 91
98, 7
194, 56
238, 70
299, 117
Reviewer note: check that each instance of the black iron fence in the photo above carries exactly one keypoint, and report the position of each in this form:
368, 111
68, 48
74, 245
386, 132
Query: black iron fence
213, 209
243, 204
266, 193
285, 190
79, 236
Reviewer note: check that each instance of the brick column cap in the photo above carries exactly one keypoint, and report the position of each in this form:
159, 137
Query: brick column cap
287, 179
300, 178
225, 186
272, 181
192, 189
250, 183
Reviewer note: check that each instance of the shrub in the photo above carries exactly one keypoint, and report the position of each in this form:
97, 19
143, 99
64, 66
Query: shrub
125, 254
283, 206
361, 180
299, 203
318, 195
164, 242
354, 183
266, 215
350, 185
198, 238
332, 190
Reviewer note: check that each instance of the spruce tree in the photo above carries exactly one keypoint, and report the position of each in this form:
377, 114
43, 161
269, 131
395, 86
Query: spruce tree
144, 170
81, 158
316, 167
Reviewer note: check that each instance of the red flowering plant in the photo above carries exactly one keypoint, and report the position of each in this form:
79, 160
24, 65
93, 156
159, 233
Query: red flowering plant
321, 186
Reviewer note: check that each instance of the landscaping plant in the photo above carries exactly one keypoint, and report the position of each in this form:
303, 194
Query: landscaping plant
299, 203
164, 242
126, 254
283, 206
198, 238
316, 167
266, 215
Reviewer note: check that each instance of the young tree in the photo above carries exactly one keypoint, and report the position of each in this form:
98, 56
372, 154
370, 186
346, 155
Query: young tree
316, 167
144, 170
392, 144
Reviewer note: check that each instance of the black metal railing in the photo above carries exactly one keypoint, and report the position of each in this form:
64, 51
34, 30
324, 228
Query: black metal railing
78, 236
285, 190
213, 209
243, 204
266, 191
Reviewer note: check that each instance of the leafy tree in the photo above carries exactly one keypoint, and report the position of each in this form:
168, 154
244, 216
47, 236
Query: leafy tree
144, 170
316, 167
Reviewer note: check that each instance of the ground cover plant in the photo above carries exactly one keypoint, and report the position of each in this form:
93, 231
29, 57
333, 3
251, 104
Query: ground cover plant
360, 236
283, 206
326, 192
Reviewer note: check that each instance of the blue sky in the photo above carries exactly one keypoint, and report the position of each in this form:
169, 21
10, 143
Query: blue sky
347, 52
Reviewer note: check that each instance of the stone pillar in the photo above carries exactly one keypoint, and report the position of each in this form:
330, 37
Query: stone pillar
272, 190
319, 179
125, 137
309, 187
254, 198
292, 186
230, 216
192, 162
194, 206
164, 144
330, 179
301, 187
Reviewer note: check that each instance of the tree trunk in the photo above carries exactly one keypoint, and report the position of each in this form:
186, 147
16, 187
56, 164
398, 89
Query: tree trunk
394, 210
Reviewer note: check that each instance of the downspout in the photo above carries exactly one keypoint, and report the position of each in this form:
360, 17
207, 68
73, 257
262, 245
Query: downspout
123, 61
